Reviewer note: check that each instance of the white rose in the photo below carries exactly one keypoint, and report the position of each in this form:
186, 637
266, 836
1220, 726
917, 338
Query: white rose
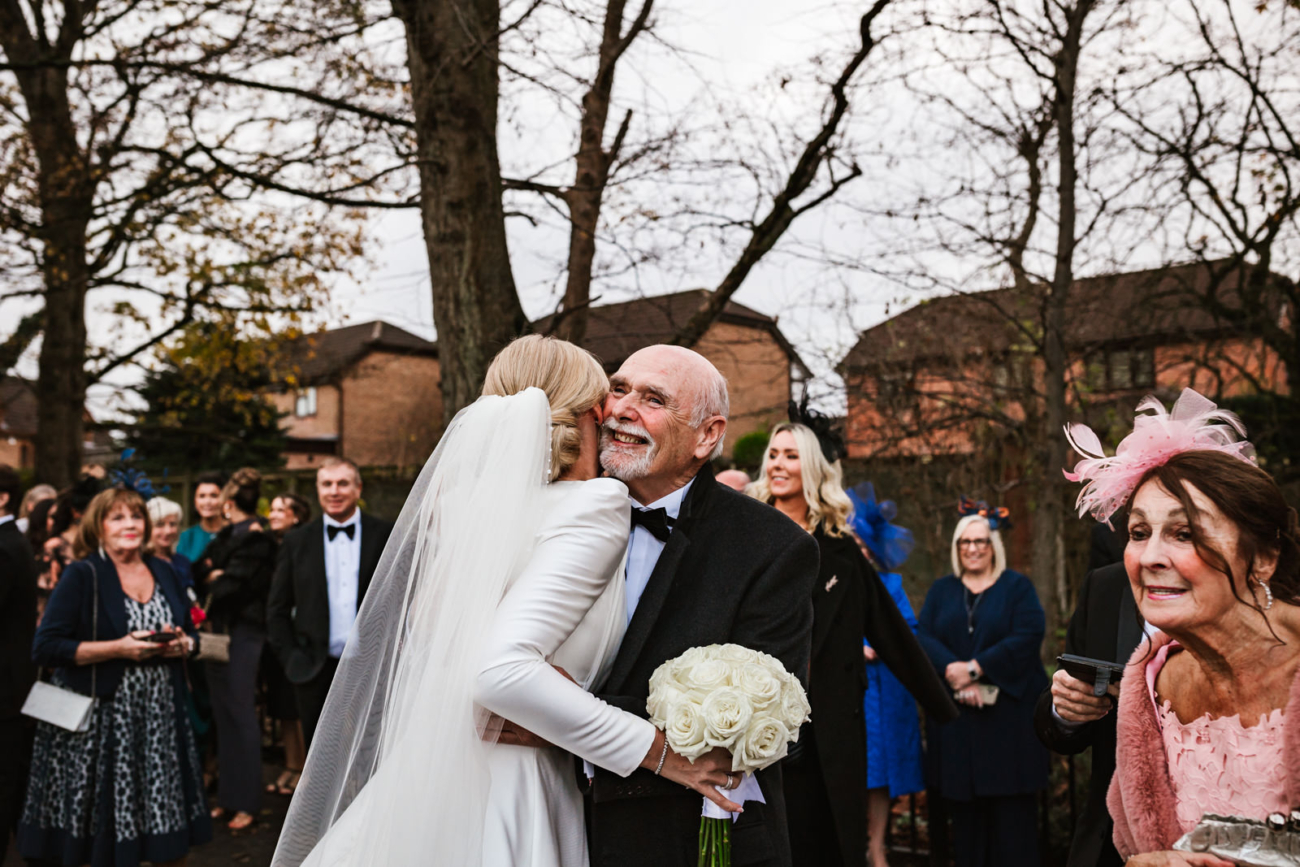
726, 714
681, 665
661, 701
758, 685
767, 741
794, 705
707, 675
662, 676
685, 730
736, 653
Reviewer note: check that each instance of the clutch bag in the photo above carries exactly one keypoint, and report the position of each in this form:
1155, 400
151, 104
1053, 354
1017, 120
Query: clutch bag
1247, 842
213, 647
59, 707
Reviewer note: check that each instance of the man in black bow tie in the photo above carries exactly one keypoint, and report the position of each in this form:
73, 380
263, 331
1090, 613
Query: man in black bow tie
321, 576
705, 565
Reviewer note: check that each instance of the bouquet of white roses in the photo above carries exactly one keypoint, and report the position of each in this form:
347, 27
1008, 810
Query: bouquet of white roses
729, 696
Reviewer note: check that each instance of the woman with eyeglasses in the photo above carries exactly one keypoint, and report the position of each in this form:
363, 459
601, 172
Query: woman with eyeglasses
982, 627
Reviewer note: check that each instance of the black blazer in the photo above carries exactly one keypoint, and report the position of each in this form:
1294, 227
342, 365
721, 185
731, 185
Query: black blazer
850, 602
17, 619
733, 571
1105, 625
246, 558
69, 620
298, 608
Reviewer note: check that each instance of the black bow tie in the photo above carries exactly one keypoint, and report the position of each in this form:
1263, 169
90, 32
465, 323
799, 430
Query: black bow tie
334, 529
654, 520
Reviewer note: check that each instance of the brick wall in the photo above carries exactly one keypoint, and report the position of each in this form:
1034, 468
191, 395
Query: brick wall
17, 452
757, 372
392, 410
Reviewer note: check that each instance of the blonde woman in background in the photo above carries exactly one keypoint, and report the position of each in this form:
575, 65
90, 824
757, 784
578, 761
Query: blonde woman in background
982, 626
826, 774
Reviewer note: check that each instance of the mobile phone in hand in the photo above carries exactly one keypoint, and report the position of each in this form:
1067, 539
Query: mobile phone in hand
1101, 673
160, 637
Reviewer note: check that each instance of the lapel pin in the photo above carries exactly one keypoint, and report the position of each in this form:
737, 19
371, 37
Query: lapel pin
835, 579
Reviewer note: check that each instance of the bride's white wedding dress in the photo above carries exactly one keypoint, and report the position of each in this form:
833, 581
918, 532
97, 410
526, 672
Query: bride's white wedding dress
419, 783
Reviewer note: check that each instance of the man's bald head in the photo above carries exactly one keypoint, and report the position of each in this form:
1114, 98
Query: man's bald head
666, 417
699, 377
737, 480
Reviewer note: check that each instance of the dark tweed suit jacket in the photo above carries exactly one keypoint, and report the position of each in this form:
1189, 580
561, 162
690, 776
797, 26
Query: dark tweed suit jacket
733, 571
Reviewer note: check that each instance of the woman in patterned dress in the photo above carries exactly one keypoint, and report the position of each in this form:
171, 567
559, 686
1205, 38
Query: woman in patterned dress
130, 787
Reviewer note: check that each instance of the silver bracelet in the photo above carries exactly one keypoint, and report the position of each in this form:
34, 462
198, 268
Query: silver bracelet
662, 756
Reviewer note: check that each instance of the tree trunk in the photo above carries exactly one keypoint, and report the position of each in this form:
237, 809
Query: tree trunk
65, 190
452, 55
1049, 517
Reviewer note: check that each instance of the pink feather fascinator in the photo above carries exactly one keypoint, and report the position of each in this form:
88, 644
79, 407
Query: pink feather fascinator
1195, 424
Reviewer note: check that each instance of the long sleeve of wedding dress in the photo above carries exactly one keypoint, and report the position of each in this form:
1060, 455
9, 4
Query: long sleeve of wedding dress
578, 550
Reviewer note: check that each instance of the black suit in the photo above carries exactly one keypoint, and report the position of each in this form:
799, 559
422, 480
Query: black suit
298, 609
733, 571
826, 778
17, 628
1105, 625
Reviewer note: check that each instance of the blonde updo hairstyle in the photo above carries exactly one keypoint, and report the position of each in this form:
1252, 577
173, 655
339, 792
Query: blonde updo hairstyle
823, 482
571, 377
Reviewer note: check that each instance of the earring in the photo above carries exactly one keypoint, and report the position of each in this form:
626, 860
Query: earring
1268, 594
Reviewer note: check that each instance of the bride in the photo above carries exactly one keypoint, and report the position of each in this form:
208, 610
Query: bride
496, 600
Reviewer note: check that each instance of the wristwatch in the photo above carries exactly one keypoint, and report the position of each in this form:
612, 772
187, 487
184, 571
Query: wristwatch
972, 671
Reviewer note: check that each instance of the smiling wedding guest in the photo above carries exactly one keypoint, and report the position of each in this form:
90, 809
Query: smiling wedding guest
207, 505
165, 521
321, 575
826, 773
982, 627
129, 788
1207, 716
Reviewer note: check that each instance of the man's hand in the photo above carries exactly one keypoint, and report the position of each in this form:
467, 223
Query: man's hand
1074, 701
518, 736
708, 773
970, 696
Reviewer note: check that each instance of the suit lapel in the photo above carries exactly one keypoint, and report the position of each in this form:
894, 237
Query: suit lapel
661, 580
1129, 633
648, 607
371, 549
828, 595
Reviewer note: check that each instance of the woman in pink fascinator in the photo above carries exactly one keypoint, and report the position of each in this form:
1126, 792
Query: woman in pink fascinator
1209, 708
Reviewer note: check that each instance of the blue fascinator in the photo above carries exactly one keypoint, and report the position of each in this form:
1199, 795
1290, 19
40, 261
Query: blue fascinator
131, 479
889, 544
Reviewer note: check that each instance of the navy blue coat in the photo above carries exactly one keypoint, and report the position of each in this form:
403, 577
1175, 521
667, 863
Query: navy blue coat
990, 751
68, 622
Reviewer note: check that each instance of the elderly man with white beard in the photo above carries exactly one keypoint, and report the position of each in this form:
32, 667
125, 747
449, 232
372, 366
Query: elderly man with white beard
705, 565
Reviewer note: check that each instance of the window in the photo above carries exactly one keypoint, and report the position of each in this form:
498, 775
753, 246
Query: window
1120, 369
305, 404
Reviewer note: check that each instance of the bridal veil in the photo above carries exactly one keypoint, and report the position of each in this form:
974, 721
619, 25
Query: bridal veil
397, 772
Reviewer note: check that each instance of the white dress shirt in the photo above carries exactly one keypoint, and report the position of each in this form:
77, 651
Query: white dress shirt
5, 519
643, 549
343, 576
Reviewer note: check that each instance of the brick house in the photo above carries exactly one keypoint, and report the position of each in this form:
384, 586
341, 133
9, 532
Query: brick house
920, 383
17, 422
747, 347
368, 392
